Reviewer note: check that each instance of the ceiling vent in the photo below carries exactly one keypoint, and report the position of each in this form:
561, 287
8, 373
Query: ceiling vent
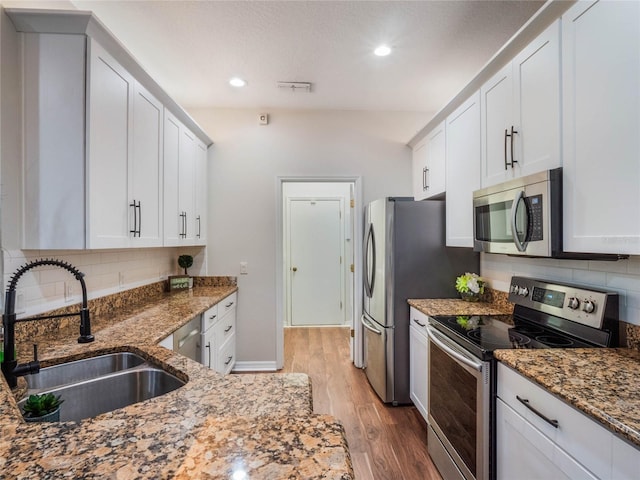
304, 87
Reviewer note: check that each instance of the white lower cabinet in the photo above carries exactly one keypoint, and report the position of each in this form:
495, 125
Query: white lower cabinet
418, 361
218, 335
539, 436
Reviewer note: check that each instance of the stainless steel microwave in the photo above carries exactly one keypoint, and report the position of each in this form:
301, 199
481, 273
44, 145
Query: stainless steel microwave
520, 217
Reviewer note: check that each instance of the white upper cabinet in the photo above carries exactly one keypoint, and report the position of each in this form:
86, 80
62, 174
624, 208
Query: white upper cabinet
109, 150
463, 171
94, 142
520, 104
184, 185
201, 194
601, 127
429, 164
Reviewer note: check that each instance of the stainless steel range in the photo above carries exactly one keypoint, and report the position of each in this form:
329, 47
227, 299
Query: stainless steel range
462, 381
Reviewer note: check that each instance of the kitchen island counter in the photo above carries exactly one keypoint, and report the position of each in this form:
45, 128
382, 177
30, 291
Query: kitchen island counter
258, 425
601, 382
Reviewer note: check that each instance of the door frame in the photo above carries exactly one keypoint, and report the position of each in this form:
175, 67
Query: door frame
356, 326
287, 257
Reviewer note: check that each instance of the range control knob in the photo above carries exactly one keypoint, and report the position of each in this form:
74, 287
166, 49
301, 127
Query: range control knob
574, 303
523, 291
514, 289
588, 306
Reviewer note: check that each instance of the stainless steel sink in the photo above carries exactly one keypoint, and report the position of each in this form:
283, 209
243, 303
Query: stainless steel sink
103, 394
101, 384
81, 370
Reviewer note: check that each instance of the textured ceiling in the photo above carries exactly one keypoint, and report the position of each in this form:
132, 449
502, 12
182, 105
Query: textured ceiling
192, 48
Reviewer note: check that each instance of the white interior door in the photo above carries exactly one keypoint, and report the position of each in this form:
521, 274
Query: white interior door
315, 262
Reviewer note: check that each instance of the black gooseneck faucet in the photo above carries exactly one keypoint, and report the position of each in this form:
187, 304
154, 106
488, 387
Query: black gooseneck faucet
10, 367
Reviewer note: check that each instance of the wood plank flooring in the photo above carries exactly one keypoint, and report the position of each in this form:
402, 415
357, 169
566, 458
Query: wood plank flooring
386, 443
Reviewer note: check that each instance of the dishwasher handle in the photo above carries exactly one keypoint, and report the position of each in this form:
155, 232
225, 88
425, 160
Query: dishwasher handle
185, 339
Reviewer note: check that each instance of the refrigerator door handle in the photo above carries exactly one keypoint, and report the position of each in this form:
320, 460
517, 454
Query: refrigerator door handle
371, 240
366, 324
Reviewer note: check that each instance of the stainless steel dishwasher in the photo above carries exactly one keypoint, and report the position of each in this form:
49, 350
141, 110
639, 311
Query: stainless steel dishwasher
186, 340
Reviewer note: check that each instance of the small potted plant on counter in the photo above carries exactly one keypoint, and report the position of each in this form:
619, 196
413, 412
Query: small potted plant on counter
470, 286
42, 408
179, 282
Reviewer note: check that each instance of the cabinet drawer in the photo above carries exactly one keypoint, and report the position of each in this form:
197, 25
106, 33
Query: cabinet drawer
227, 356
584, 439
210, 317
225, 328
228, 304
419, 320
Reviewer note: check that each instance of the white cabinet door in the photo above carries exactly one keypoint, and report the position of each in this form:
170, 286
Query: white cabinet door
497, 113
145, 175
419, 168
418, 362
436, 161
172, 224
201, 194
109, 150
536, 75
601, 127
186, 184
462, 171
521, 112
523, 452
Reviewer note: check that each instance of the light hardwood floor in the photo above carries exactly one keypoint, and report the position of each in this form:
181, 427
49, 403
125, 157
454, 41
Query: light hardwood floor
386, 443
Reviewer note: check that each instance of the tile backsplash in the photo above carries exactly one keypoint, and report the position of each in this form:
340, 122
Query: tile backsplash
622, 277
106, 272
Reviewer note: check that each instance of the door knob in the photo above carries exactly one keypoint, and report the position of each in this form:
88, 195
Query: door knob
295, 269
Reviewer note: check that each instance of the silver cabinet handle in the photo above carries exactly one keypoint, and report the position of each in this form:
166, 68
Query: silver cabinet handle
419, 323
212, 317
228, 305
228, 360
208, 345
525, 402
228, 328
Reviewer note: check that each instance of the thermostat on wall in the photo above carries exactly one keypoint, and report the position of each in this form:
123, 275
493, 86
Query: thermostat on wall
263, 119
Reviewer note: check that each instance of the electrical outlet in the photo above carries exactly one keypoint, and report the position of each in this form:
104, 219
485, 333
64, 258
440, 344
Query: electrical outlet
244, 268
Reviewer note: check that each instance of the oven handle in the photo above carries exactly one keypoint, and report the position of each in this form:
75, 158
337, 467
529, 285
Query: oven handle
521, 246
437, 337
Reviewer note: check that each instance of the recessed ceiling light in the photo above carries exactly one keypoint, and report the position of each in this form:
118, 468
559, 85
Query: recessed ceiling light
237, 82
382, 51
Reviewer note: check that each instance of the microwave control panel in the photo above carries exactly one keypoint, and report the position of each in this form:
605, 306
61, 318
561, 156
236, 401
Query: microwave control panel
535, 218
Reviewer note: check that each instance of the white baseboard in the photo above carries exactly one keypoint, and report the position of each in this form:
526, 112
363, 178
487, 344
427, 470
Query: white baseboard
255, 367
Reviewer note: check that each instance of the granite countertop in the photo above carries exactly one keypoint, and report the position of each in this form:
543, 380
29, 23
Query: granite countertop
456, 306
212, 427
601, 382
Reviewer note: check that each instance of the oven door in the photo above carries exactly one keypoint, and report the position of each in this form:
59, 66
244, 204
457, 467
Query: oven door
459, 410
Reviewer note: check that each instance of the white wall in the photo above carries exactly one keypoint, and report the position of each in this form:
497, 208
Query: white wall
622, 276
245, 161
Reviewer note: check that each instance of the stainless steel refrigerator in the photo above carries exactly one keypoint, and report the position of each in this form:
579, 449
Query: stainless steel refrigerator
404, 257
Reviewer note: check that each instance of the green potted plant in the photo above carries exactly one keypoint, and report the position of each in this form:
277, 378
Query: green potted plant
470, 286
185, 261
42, 408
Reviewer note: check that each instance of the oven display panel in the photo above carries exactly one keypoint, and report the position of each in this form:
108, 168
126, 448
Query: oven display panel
548, 297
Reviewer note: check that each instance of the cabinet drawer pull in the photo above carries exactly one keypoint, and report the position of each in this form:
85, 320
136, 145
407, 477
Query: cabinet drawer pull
228, 328
419, 323
228, 360
228, 305
208, 345
525, 402
212, 317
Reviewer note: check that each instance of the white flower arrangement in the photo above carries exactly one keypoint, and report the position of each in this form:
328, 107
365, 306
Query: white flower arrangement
470, 283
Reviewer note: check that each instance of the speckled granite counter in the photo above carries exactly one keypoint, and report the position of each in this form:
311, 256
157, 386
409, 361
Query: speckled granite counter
602, 382
260, 424
455, 306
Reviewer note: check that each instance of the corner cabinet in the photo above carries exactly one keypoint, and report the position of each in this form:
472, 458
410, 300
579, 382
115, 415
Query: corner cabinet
463, 171
601, 127
429, 165
521, 112
95, 138
542, 435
